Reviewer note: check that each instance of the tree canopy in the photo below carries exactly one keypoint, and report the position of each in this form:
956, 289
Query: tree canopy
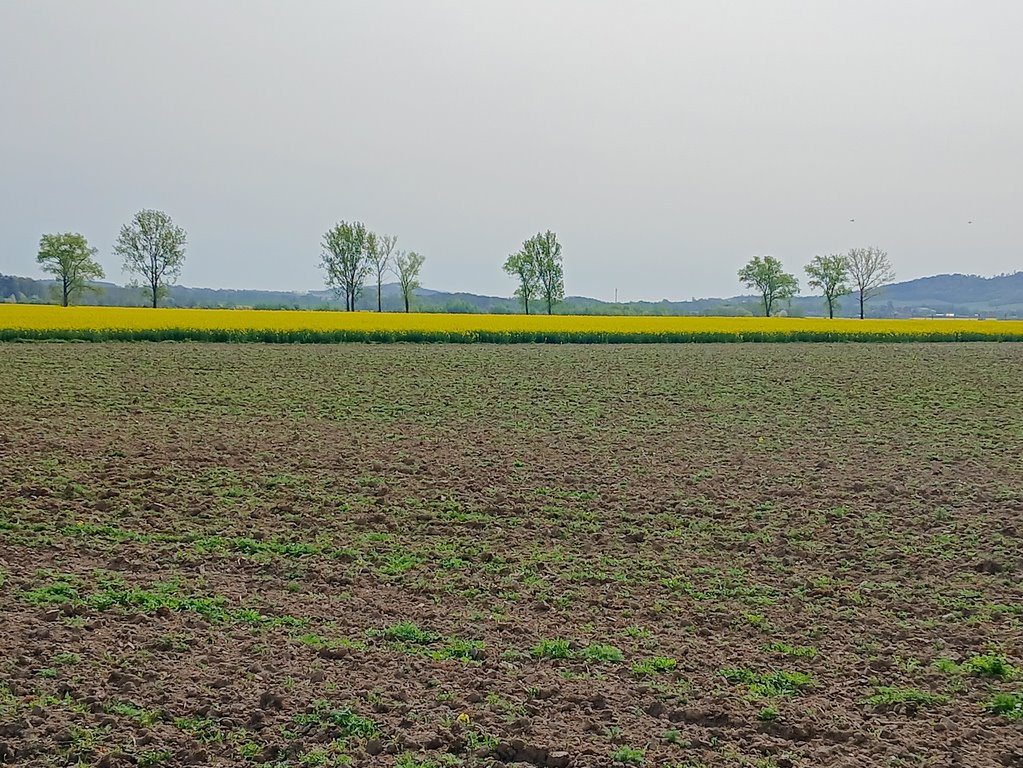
407, 272
766, 275
344, 258
545, 251
539, 271
153, 248
828, 274
71, 261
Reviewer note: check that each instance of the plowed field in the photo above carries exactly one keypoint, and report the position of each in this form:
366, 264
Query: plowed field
712, 555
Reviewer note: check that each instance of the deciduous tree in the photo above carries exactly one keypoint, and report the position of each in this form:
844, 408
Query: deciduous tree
153, 248
545, 253
407, 272
522, 266
345, 261
766, 275
869, 270
379, 251
71, 261
828, 274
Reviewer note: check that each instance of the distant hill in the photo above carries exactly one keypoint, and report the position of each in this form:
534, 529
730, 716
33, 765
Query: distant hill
999, 296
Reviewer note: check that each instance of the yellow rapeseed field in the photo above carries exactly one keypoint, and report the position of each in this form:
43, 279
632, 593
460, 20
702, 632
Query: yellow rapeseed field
21, 321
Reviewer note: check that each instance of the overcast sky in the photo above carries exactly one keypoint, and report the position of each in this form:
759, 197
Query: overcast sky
665, 142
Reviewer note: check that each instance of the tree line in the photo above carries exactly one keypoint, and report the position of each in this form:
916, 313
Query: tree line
860, 271
151, 244
351, 254
152, 247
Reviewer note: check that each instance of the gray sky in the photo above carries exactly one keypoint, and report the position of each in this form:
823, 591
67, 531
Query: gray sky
665, 142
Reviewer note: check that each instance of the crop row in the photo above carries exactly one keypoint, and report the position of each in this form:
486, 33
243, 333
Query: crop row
21, 322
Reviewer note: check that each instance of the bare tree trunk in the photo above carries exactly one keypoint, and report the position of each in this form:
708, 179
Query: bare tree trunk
380, 304
155, 288
861, 304
406, 302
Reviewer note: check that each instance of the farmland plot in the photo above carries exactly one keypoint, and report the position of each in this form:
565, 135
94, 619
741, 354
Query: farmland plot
712, 555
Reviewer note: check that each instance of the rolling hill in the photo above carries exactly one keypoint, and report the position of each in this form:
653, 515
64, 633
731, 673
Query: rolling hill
998, 296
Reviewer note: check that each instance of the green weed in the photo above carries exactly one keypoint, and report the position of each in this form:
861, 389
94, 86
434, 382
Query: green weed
601, 653
1009, 705
629, 756
410, 633
654, 666
769, 684
553, 649
912, 699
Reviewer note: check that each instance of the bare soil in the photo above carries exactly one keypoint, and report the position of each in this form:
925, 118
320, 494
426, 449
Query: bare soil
752, 555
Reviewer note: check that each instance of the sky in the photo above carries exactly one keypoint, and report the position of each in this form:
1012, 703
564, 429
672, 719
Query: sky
665, 141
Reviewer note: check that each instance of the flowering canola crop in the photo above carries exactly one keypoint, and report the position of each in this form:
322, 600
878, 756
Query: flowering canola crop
21, 321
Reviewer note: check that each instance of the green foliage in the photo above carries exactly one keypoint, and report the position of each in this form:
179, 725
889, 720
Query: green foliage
629, 756
522, 336
887, 698
828, 274
344, 259
769, 684
71, 261
409, 760
539, 271
654, 666
947, 666
55, 593
202, 729
154, 758
990, 665
153, 249
409, 632
408, 266
544, 250
601, 653
771, 281
521, 266
343, 719
1009, 705
378, 252
800, 651
986, 665
127, 709
457, 648
553, 649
